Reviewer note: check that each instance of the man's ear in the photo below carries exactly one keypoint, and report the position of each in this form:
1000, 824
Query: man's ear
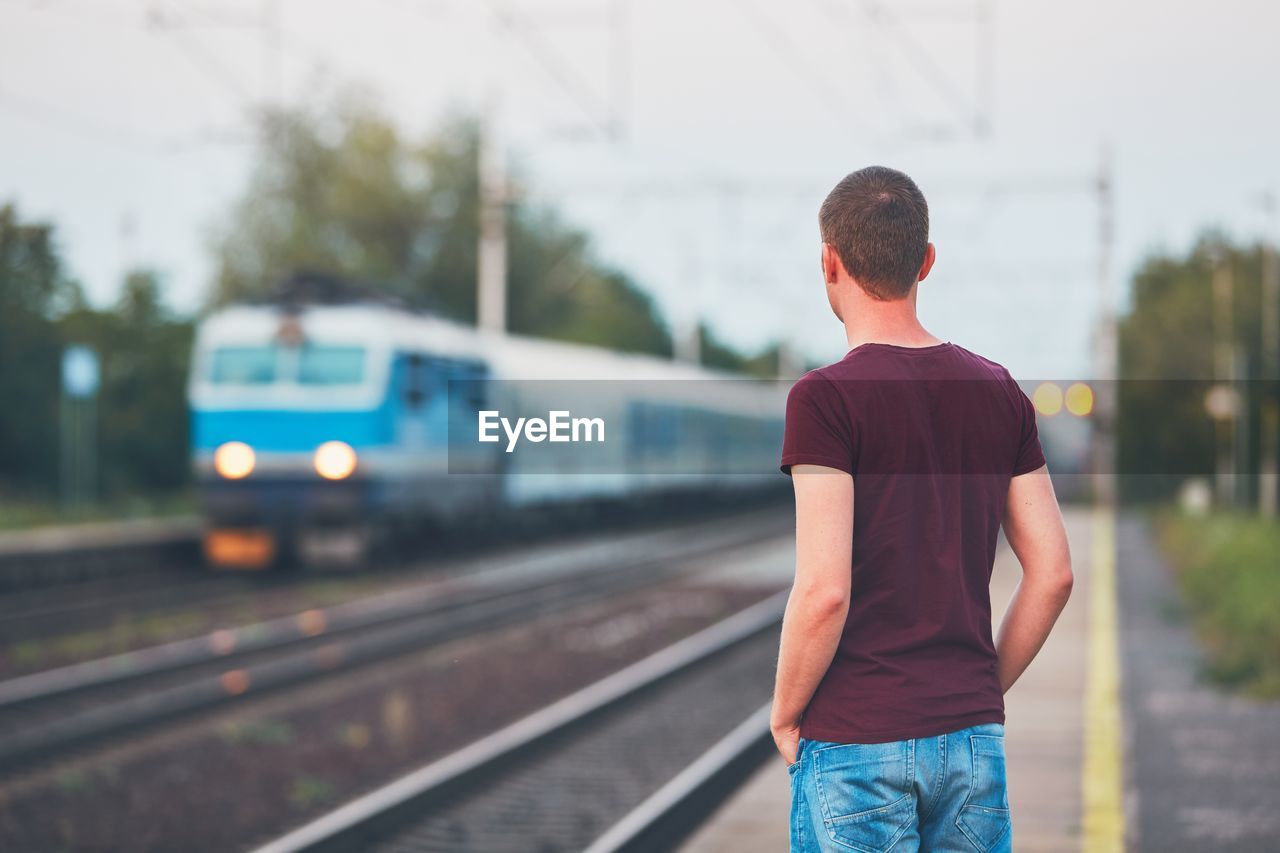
830, 264
930, 255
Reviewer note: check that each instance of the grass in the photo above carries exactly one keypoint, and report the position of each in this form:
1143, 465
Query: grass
73, 781
25, 514
257, 732
310, 791
1228, 566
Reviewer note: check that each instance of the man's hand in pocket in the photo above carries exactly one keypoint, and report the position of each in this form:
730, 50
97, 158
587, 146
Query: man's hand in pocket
787, 738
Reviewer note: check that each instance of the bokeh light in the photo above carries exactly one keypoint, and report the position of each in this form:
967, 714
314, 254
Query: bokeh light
1047, 398
1079, 399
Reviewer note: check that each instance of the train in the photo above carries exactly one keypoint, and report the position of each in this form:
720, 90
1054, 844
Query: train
327, 420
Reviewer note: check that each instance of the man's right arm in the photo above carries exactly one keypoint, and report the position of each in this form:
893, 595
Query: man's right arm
1033, 525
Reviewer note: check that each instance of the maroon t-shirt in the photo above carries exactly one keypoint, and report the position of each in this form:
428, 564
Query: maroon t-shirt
932, 436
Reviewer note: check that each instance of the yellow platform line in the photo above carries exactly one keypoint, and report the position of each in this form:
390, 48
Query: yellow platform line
1102, 779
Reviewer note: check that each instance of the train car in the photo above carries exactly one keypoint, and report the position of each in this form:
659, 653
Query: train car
321, 428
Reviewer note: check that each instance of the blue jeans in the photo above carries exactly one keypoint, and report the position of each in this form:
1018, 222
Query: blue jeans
942, 794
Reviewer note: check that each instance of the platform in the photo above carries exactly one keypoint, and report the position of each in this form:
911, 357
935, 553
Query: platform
45, 556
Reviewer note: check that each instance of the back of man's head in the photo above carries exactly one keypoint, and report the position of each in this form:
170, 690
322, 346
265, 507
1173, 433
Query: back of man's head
877, 221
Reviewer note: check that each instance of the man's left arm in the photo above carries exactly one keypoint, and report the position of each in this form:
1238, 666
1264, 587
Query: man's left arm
819, 600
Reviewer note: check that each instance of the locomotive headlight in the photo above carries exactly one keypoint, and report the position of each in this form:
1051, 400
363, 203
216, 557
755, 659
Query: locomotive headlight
335, 460
234, 460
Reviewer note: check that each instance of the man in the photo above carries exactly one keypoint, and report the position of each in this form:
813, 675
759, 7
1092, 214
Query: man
906, 456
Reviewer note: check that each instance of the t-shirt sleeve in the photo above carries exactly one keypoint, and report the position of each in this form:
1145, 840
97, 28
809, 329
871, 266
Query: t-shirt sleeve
1030, 455
818, 430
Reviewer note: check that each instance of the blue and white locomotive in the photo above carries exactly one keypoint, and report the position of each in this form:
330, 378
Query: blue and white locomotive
320, 426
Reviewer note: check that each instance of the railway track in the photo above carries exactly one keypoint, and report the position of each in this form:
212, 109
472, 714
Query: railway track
47, 714
86, 577
85, 605
629, 763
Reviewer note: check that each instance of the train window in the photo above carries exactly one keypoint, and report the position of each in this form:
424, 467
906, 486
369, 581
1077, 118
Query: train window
330, 365
415, 381
474, 388
248, 365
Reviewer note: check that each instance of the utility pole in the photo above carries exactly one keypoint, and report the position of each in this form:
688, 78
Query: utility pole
1240, 428
688, 342
687, 334
78, 424
1224, 368
790, 362
495, 191
1105, 370
1267, 471
491, 279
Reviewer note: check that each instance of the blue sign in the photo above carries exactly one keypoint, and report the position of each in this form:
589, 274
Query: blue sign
80, 371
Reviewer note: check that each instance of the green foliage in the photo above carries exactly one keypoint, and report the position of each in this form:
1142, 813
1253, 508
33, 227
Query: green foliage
1166, 354
33, 289
257, 732
1226, 567
21, 515
74, 781
142, 412
310, 791
715, 353
340, 191
144, 352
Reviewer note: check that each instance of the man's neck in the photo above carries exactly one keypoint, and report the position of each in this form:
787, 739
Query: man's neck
871, 320
894, 323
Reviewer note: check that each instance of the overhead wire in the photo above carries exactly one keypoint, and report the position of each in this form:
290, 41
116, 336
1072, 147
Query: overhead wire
787, 51
555, 67
163, 21
967, 109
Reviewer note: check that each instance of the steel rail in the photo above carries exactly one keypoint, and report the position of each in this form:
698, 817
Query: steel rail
360, 644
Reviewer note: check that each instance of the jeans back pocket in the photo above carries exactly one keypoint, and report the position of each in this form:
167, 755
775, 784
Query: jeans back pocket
864, 791
984, 817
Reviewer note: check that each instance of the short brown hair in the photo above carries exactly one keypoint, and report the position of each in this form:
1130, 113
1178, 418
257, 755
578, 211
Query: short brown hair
878, 222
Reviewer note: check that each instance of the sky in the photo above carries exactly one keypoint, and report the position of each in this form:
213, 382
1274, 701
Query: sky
693, 139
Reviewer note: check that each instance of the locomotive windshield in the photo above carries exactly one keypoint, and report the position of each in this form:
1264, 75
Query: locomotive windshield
243, 365
309, 364
318, 365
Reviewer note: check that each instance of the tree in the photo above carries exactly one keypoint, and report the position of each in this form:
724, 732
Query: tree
715, 353
339, 190
142, 411
1166, 353
34, 288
